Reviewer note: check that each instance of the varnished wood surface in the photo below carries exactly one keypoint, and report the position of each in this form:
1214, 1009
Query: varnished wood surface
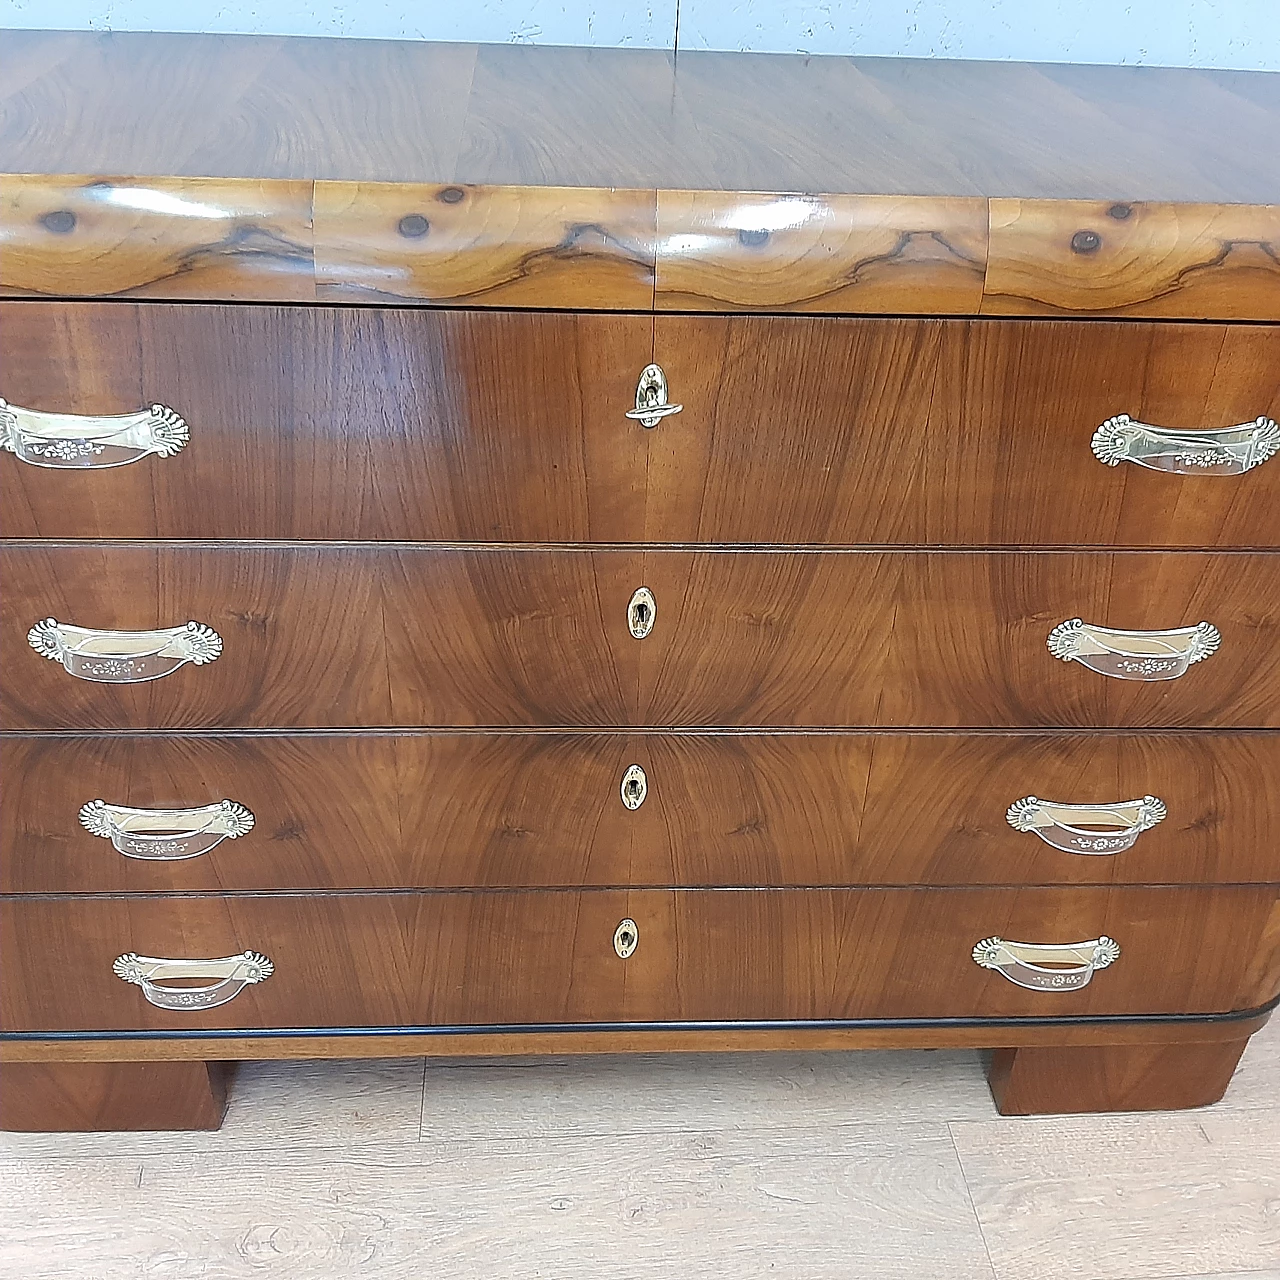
366, 636
593, 248
89, 1097
373, 110
727, 1039
776, 182
1041, 1079
355, 423
517, 811
526, 957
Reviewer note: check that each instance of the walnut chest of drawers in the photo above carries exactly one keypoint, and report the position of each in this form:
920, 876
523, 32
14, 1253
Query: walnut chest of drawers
516, 551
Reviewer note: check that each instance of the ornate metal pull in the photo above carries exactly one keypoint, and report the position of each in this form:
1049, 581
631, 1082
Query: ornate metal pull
626, 937
166, 834
1087, 828
233, 974
641, 612
651, 398
75, 440
1133, 655
124, 657
1028, 964
1226, 451
635, 786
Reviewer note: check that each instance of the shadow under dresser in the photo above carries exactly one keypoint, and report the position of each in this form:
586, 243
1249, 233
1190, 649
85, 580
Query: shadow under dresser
515, 551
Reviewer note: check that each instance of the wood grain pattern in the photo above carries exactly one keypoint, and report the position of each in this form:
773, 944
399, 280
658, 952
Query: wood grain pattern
485, 958
87, 1097
582, 248
510, 426
890, 1200
233, 239
1219, 262
368, 636
727, 1039
414, 111
592, 247
1040, 1080
456, 810
801, 430
831, 253
337, 423
1053, 1200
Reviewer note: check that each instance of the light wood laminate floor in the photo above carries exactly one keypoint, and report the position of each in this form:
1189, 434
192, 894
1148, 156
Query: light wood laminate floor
869, 1165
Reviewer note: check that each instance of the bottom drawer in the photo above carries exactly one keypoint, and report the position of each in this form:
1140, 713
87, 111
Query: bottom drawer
497, 958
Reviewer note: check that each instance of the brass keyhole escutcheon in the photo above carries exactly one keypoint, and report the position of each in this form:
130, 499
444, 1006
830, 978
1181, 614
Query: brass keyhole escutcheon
641, 612
625, 938
635, 786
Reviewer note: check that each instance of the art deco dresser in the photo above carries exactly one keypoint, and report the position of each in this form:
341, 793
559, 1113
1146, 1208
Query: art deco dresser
479, 578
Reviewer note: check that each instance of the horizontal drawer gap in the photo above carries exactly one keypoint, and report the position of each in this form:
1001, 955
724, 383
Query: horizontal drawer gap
818, 731
524, 1028
633, 548
434, 891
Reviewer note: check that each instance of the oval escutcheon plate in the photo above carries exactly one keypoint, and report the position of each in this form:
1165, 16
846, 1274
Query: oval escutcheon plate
69, 440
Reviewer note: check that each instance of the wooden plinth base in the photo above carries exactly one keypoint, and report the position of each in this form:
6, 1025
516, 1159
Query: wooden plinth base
1116, 1077
85, 1097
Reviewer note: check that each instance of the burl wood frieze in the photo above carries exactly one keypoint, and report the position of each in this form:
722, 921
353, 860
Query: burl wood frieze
595, 248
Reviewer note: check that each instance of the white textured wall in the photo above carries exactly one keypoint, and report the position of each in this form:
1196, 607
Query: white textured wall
1197, 33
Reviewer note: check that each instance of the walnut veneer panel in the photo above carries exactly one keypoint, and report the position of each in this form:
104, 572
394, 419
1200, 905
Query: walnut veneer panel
511, 426
336, 423
799, 430
529, 810
411, 111
546, 957
362, 636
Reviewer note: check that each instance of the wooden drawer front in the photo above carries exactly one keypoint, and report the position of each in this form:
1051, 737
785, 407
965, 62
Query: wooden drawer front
313, 422
538, 957
319, 423
456, 810
370, 636
799, 430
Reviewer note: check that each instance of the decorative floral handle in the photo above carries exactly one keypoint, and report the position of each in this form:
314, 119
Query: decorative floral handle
70, 440
1133, 655
1227, 451
232, 974
166, 834
1074, 827
124, 657
1028, 964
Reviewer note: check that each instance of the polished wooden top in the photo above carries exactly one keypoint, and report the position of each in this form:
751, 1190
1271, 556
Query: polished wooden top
235, 167
372, 110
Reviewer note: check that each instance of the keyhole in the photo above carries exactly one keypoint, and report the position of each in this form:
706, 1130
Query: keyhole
641, 613
635, 787
625, 937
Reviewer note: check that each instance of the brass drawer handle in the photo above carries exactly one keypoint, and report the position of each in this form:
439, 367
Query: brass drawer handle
232, 974
1075, 828
626, 937
75, 440
642, 610
651, 398
1028, 964
166, 834
124, 657
1227, 451
1133, 655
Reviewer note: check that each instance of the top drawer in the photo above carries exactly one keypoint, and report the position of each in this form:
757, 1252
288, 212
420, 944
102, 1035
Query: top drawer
324, 423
